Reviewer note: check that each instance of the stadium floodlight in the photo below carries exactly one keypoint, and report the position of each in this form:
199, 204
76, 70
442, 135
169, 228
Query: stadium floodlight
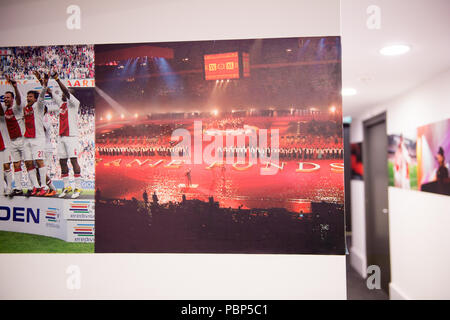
136, 115
215, 112
122, 116
333, 109
118, 108
109, 117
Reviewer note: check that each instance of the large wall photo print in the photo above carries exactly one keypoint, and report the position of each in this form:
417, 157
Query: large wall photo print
356, 161
402, 161
419, 161
230, 146
47, 149
433, 154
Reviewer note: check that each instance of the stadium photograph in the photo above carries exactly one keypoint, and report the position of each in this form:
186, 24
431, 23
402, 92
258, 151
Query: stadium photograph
402, 161
231, 146
47, 149
433, 152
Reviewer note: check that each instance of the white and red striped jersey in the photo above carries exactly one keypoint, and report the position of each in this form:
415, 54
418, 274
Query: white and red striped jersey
14, 121
48, 127
33, 117
4, 136
2, 142
68, 115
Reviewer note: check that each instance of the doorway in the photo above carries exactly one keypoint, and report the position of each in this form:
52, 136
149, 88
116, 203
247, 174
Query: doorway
376, 190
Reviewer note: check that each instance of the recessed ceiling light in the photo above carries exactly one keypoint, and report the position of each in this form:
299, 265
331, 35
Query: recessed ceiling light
348, 91
395, 50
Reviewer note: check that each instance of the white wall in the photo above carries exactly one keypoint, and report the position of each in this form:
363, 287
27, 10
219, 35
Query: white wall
429, 102
182, 276
358, 258
418, 221
419, 241
166, 20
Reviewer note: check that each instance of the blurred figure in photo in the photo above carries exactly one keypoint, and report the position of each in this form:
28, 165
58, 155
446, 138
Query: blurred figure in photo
442, 171
402, 161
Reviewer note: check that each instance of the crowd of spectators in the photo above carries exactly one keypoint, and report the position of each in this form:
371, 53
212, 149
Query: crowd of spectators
317, 84
197, 226
71, 62
310, 74
308, 152
319, 140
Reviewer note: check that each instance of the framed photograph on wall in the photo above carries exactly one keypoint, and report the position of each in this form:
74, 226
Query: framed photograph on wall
402, 161
47, 149
433, 154
230, 146
357, 161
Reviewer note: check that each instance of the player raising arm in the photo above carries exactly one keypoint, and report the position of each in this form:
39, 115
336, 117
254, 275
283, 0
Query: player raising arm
48, 152
34, 139
5, 158
68, 140
12, 113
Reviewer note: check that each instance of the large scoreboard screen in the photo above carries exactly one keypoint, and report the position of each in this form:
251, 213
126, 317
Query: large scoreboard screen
222, 66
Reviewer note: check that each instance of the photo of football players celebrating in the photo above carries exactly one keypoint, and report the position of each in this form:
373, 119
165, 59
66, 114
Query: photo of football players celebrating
49, 125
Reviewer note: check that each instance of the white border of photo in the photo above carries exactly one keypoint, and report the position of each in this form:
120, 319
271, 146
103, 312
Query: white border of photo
168, 276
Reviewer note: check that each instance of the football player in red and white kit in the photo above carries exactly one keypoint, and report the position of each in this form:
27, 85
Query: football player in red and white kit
48, 152
13, 116
34, 139
68, 141
5, 156
48, 149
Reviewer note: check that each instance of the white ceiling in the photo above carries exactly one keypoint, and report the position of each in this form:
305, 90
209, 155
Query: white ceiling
424, 25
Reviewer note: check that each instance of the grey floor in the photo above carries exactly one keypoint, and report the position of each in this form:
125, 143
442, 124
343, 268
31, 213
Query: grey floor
356, 285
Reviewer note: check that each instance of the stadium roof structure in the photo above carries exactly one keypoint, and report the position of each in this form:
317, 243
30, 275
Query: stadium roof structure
131, 52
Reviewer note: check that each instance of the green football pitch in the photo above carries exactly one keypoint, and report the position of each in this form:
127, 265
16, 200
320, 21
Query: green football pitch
14, 242
412, 175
